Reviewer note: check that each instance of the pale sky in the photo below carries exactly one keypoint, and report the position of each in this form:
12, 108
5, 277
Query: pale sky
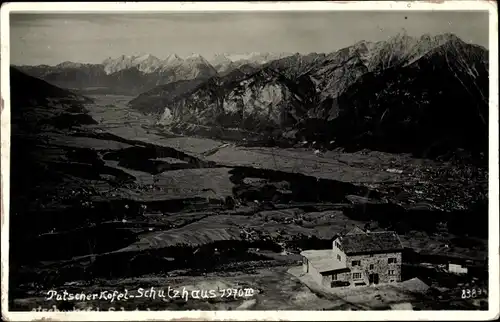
90, 38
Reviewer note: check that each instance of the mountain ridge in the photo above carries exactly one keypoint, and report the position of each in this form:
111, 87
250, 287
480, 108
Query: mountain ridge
305, 96
132, 74
155, 71
319, 97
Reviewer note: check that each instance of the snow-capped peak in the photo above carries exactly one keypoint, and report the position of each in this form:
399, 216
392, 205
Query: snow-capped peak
146, 63
69, 64
220, 59
194, 56
172, 57
256, 57
172, 60
145, 57
197, 58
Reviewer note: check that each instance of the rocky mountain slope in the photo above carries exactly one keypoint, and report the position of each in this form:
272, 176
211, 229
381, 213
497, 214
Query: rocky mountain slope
426, 89
426, 104
159, 98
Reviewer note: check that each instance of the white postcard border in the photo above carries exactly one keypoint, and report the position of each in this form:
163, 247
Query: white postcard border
156, 7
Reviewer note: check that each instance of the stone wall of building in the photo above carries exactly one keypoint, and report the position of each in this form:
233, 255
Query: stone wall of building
376, 264
329, 277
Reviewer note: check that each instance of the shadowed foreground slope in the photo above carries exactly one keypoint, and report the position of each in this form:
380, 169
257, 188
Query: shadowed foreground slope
119, 203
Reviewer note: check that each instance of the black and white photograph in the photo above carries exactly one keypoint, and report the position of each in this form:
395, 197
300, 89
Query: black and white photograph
250, 160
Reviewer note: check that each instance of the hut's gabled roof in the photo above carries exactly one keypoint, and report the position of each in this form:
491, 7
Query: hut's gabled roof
372, 242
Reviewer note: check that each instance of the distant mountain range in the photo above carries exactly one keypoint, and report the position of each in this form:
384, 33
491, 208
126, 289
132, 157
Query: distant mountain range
403, 94
136, 74
414, 94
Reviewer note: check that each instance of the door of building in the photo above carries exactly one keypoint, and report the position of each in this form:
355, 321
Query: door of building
373, 278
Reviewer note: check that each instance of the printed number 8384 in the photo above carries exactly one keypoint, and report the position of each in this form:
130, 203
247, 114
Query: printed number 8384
472, 293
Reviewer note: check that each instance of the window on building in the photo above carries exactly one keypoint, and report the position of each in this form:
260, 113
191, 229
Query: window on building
392, 260
391, 272
356, 276
371, 266
339, 257
335, 277
356, 263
